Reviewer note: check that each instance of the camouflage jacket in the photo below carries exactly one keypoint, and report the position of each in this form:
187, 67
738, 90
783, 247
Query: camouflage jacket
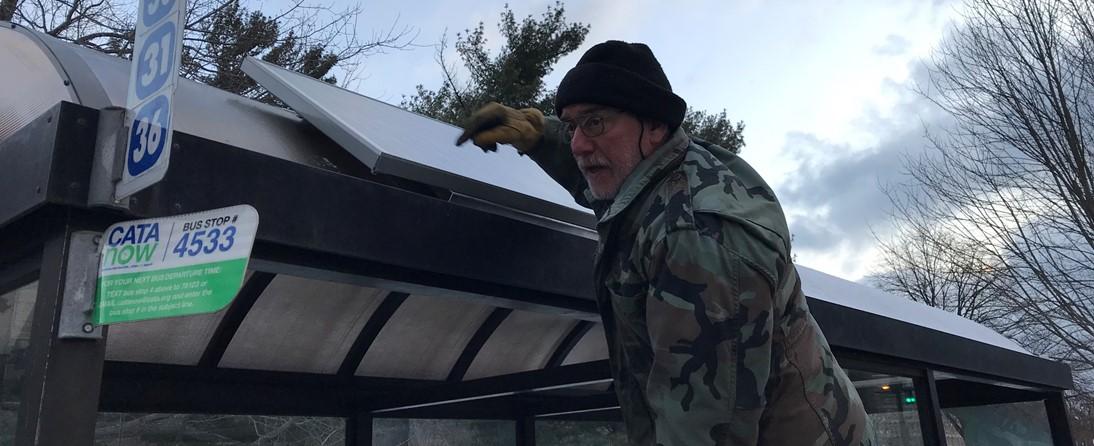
709, 335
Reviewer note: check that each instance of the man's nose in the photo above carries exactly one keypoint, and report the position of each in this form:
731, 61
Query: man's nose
580, 144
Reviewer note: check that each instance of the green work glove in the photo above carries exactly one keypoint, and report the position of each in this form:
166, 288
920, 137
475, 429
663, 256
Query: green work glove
495, 124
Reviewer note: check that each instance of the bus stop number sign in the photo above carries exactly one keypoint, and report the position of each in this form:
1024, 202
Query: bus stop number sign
173, 266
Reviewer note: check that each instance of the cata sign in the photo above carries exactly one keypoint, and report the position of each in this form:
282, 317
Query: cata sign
153, 75
174, 266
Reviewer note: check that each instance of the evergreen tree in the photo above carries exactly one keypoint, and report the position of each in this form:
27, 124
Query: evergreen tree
514, 76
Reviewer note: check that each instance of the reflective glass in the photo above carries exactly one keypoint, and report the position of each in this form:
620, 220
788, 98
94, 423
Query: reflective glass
152, 429
891, 404
580, 433
1011, 424
16, 308
424, 432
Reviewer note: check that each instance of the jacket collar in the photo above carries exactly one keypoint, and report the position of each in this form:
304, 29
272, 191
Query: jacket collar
663, 158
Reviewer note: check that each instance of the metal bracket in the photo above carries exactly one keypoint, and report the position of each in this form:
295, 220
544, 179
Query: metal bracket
81, 275
106, 169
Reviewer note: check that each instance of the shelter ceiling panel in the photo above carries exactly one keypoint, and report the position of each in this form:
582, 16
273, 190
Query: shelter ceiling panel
301, 325
177, 340
424, 338
591, 347
522, 342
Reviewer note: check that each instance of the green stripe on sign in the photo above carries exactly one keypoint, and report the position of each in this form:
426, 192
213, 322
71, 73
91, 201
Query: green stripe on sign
182, 291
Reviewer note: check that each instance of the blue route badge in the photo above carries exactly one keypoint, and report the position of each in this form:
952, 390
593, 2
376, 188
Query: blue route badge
153, 76
155, 60
148, 135
155, 10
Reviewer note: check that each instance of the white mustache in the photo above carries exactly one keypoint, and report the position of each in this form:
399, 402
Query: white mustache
589, 164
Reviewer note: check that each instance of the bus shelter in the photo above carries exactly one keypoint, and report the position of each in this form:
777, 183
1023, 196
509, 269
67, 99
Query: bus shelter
377, 299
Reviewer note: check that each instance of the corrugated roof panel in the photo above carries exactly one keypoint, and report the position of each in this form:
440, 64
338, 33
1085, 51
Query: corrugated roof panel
26, 69
177, 340
301, 325
524, 341
423, 339
591, 347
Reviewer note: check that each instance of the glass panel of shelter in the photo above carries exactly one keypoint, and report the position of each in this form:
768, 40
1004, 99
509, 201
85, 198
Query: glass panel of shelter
892, 405
165, 429
413, 431
979, 412
16, 309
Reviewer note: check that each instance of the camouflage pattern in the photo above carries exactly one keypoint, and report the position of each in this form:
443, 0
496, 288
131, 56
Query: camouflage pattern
709, 335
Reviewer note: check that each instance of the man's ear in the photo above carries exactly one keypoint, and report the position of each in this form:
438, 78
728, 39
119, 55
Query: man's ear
656, 133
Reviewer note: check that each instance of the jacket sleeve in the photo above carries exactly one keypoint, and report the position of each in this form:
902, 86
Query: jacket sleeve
709, 321
554, 157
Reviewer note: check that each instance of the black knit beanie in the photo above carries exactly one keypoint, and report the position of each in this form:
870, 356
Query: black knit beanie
625, 76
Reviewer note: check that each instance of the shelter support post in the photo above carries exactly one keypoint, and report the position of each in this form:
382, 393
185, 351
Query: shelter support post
526, 431
359, 430
1058, 421
930, 412
61, 387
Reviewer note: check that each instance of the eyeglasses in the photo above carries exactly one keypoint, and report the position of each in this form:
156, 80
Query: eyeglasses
592, 124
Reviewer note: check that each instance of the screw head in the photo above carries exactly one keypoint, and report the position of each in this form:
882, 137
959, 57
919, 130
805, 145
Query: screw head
88, 328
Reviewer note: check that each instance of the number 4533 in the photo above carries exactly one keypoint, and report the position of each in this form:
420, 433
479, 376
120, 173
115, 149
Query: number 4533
205, 242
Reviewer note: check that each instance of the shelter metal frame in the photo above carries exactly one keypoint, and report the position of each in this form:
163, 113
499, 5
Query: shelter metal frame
335, 227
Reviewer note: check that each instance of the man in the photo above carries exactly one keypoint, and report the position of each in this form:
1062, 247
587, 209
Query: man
709, 336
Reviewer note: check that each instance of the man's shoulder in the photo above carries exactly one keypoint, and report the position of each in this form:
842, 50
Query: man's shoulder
716, 194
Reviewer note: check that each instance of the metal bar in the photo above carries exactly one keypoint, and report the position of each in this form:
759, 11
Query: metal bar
162, 388
1059, 422
579, 411
550, 405
930, 412
26, 157
369, 332
476, 343
568, 343
375, 225
859, 330
81, 278
595, 372
526, 431
62, 381
106, 168
359, 430
303, 263
233, 318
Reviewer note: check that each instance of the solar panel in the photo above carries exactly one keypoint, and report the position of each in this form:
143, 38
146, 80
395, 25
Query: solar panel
397, 142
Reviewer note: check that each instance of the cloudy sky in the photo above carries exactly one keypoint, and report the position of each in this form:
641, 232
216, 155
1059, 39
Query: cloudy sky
825, 89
